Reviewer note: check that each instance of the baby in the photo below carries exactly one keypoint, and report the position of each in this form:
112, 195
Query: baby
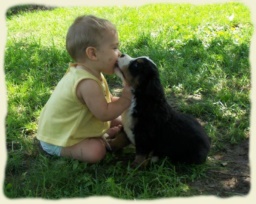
81, 110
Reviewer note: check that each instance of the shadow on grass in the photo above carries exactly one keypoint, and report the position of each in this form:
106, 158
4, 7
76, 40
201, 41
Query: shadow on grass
15, 10
31, 73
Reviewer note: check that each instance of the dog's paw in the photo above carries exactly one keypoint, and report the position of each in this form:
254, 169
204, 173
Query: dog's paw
154, 159
140, 162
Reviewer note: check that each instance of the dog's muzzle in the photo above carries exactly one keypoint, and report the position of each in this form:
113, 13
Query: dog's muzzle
124, 60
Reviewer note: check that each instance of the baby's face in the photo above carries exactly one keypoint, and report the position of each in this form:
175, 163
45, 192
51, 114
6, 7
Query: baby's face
108, 52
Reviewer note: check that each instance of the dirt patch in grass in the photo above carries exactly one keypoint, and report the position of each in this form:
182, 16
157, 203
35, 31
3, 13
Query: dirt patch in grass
230, 173
229, 168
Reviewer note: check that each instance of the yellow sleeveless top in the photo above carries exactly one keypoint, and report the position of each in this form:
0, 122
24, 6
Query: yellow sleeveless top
64, 120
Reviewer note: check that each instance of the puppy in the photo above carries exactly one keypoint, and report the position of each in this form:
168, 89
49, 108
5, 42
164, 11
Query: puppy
151, 124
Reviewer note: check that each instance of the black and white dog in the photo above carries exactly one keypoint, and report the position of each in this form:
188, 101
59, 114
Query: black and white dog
151, 124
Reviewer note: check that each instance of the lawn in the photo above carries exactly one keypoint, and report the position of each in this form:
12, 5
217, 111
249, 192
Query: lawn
202, 55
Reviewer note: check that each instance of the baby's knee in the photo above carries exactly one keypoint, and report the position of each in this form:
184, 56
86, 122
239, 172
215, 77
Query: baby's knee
98, 151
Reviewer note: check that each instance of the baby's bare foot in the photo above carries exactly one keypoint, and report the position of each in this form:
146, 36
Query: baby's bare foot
119, 142
113, 131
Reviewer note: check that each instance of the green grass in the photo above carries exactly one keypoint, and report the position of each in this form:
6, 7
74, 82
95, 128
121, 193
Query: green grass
202, 56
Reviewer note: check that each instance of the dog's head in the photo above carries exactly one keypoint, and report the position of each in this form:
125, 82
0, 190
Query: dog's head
140, 72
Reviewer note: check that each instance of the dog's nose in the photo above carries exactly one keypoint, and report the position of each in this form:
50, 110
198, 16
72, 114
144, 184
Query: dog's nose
122, 55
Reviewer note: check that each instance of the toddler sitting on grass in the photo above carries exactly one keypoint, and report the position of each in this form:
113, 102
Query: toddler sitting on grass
81, 110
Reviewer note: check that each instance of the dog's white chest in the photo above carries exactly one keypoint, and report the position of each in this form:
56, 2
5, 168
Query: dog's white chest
128, 121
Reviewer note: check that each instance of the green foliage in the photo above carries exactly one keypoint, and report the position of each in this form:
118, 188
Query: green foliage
202, 55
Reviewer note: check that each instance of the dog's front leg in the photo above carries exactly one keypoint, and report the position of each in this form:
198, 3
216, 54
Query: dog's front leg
143, 148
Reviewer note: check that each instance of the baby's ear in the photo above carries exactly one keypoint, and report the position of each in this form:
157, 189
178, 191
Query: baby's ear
90, 53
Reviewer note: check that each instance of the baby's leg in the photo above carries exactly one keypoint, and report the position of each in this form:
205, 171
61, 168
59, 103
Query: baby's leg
90, 150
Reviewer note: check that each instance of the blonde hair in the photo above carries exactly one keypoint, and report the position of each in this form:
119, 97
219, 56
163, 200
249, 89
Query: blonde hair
86, 31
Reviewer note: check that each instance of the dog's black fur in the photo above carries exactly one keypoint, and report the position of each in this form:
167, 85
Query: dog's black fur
157, 127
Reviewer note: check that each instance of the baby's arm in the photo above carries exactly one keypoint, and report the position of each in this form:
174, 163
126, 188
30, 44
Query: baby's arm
89, 92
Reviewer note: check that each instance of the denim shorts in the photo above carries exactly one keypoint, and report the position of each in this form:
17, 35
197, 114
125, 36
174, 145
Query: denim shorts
51, 149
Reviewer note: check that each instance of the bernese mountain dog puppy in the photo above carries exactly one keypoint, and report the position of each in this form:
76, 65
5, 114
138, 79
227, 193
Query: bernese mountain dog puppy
151, 124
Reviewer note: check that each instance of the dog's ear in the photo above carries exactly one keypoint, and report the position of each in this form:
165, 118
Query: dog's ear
149, 80
153, 87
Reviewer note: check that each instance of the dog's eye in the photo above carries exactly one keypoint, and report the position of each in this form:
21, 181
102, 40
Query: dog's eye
134, 64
